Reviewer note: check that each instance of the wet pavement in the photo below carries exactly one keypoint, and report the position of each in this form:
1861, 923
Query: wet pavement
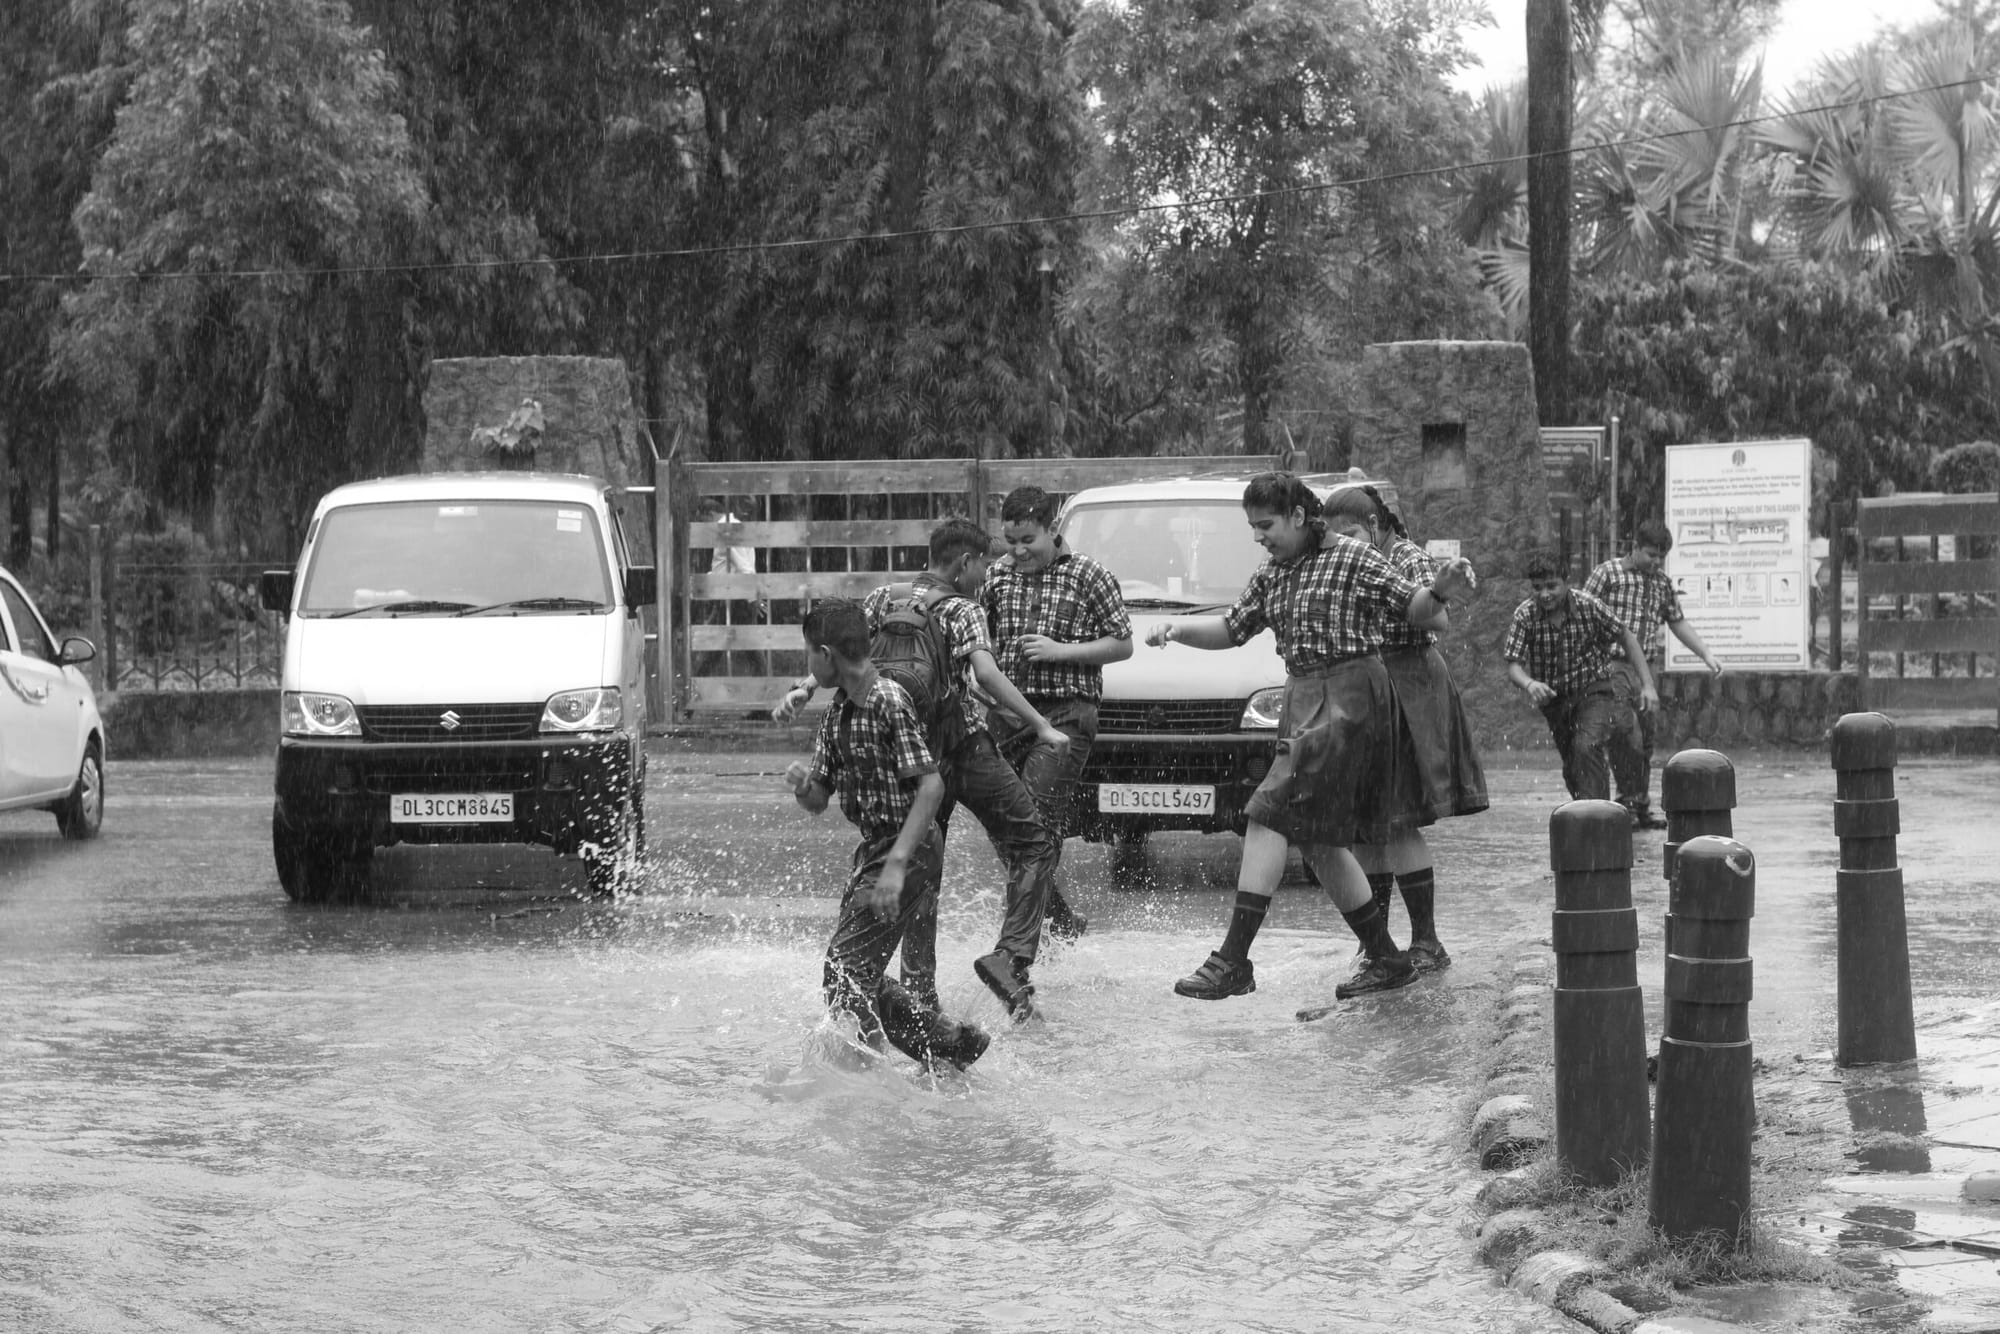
477, 1102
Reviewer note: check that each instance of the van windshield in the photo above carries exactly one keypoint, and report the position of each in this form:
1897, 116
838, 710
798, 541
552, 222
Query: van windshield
443, 558
1193, 553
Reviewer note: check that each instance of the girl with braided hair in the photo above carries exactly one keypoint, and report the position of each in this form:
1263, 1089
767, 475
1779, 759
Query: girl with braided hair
1325, 596
1443, 776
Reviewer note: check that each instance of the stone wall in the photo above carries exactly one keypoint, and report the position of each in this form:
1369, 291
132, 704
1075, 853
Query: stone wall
588, 422
1453, 425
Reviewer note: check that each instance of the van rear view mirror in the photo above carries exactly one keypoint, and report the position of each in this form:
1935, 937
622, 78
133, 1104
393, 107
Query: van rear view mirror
274, 590
642, 586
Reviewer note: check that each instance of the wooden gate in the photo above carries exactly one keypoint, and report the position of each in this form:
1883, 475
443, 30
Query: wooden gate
1929, 614
729, 643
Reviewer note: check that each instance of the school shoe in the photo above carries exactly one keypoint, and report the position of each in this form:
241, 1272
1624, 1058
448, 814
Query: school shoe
1218, 979
1428, 956
1006, 976
1064, 922
1645, 817
1383, 974
970, 1044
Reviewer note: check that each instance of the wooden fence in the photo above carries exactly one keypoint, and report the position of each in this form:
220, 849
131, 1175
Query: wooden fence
1929, 608
729, 643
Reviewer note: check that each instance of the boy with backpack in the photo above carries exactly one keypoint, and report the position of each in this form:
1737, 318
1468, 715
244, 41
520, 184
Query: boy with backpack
870, 749
929, 636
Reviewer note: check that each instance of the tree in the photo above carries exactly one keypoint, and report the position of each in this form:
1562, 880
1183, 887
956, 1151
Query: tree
1245, 113
1551, 106
253, 162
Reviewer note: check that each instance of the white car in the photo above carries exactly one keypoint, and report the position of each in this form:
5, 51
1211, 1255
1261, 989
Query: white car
51, 737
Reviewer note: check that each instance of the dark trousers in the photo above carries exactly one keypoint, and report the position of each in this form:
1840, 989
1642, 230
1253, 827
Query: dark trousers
1050, 778
863, 940
1586, 722
1632, 755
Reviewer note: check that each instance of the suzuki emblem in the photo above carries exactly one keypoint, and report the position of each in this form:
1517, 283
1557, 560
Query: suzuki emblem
449, 721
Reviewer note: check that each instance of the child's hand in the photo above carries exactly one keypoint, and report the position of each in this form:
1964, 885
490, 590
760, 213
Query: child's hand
884, 896
788, 708
796, 774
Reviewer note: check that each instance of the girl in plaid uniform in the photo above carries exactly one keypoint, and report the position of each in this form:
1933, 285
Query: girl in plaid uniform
1444, 777
870, 748
1326, 597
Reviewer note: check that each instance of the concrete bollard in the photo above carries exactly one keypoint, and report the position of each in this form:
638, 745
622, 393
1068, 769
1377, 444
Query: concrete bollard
1705, 1109
1698, 792
1600, 1013
1877, 1020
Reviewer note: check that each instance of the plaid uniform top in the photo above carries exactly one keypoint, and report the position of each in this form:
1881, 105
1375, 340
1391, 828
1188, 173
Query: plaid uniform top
1415, 564
1325, 605
1641, 602
872, 752
964, 626
1074, 601
1565, 655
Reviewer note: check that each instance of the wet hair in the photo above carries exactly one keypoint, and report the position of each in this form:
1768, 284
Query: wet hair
839, 624
1652, 533
1364, 502
1283, 492
1542, 564
956, 536
1029, 504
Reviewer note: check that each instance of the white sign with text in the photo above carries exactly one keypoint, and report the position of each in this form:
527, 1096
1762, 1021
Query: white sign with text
1738, 513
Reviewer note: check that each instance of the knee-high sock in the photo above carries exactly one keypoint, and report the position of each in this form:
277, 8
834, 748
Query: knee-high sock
1382, 884
1371, 931
1243, 924
1420, 897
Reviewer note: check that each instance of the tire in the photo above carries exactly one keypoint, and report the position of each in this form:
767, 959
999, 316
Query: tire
1131, 867
314, 874
80, 815
614, 867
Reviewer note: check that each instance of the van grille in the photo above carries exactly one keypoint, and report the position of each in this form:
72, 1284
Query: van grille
1170, 715
427, 722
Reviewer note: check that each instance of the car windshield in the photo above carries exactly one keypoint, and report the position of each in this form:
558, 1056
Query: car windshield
1180, 552
534, 557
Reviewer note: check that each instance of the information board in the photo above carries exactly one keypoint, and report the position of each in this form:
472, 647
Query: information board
1738, 513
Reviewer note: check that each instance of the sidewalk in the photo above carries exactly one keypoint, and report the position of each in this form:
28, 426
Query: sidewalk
1891, 1171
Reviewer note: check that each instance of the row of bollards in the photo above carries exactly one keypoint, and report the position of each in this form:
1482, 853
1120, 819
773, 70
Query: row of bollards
1704, 1111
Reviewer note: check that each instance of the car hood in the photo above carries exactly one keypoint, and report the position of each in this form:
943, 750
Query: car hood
491, 659
1175, 671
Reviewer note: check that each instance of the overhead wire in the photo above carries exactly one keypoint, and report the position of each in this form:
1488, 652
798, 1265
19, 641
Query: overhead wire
996, 224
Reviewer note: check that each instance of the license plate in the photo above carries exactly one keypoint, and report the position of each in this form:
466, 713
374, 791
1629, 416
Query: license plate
1154, 799
451, 808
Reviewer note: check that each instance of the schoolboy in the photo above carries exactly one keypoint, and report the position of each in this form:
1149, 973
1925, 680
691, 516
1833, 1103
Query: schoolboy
1057, 617
974, 773
870, 749
1558, 650
1637, 590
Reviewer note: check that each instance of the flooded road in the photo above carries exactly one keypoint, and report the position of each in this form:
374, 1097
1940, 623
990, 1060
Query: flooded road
476, 1102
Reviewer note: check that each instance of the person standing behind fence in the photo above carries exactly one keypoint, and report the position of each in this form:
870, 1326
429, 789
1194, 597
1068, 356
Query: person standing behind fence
974, 772
1057, 617
1640, 595
1558, 650
870, 749
1445, 777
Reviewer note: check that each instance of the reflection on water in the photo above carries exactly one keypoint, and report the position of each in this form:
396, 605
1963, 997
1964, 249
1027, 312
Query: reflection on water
1886, 1106
624, 1117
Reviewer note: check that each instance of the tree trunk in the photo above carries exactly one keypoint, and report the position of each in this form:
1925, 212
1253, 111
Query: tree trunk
912, 42
1550, 98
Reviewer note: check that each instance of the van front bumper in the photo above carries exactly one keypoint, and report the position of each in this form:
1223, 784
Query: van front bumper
1233, 763
566, 791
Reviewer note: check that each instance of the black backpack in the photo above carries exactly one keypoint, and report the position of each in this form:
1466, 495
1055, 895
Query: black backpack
910, 649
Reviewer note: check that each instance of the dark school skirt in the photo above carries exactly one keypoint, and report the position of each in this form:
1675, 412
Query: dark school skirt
1442, 775
1336, 739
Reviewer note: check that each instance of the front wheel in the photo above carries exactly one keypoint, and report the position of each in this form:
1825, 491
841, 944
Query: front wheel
80, 815
614, 864
310, 872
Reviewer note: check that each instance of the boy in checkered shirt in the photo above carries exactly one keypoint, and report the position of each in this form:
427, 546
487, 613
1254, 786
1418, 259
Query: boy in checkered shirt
1639, 594
1559, 651
870, 749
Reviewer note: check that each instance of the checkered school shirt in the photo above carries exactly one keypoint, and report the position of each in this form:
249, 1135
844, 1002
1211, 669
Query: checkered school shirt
1567, 656
1415, 564
964, 625
1641, 602
872, 752
1326, 605
1074, 601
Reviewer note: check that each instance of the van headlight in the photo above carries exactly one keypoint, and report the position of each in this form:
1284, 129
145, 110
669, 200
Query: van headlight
308, 714
597, 709
1263, 709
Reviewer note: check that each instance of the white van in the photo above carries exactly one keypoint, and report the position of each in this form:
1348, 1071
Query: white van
464, 663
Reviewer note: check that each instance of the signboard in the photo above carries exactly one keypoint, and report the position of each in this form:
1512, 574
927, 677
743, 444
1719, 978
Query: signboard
1738, 513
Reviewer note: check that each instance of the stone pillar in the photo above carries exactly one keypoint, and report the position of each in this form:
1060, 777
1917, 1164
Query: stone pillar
1453, 425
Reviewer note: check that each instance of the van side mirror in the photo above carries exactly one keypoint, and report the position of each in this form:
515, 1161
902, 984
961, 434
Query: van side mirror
274, 590
642, 586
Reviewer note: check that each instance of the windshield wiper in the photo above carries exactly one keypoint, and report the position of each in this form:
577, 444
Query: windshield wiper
414, 605
538, 604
